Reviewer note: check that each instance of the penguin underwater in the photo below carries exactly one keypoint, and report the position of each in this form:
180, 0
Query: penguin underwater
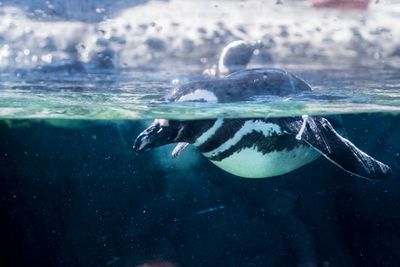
256, 147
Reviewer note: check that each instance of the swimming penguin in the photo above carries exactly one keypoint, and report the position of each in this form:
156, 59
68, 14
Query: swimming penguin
258, 147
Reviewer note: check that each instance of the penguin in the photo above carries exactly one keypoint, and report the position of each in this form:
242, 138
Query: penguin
258, 147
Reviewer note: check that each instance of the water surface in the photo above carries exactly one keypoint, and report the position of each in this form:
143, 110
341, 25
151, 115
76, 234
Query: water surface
131, 95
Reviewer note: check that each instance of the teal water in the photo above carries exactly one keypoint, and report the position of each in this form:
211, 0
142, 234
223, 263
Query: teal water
74, 193
131, 95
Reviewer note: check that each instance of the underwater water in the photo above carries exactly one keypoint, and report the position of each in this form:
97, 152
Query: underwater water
78, 83
73, 191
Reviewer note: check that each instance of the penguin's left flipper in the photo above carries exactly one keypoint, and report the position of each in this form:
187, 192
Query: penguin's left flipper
320, 135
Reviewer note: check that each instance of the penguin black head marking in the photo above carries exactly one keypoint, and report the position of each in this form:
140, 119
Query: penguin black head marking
162, 132
235, 56
159, 133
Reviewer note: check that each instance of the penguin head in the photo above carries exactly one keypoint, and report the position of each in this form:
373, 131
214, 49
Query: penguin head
162, 132
236, 55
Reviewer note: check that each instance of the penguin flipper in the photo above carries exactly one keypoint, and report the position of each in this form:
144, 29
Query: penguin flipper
321, 136
179, 148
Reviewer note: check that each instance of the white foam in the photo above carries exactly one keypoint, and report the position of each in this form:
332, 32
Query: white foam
199, 95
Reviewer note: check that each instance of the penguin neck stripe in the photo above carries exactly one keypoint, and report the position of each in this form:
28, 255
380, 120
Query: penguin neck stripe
209, 133
266, 129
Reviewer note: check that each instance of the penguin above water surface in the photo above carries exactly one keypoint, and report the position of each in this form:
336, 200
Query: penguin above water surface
257, 147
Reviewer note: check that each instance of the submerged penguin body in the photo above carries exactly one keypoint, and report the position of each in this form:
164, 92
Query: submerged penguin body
261, 148
258, 148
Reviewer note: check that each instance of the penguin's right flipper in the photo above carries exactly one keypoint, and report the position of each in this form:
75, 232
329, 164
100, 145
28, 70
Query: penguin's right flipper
321, 136
179, 148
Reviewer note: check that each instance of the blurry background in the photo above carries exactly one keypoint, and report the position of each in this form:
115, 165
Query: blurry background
90, 35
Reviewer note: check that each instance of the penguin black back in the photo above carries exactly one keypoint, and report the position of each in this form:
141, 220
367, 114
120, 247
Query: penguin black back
243, 85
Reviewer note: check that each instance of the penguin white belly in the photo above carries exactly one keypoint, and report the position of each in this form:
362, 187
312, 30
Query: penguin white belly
250, 163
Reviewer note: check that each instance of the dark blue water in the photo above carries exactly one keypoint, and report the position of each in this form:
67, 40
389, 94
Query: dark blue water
82, 197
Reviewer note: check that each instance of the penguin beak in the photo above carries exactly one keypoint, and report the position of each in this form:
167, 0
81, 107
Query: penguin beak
156, 135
